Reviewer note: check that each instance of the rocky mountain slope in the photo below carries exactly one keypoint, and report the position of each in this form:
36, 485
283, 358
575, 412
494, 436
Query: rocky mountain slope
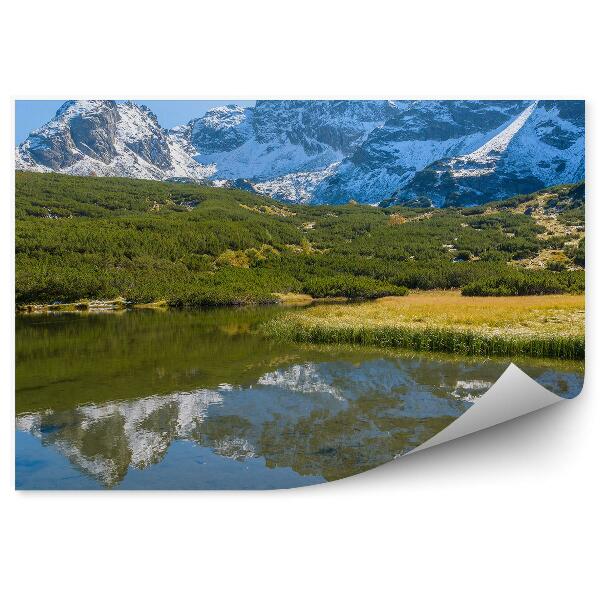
101, 137
544, 145
327, 151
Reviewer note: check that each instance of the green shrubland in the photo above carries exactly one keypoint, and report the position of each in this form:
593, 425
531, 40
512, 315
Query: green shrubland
96, 238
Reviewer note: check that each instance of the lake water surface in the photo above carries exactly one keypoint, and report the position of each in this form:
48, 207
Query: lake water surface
201, 400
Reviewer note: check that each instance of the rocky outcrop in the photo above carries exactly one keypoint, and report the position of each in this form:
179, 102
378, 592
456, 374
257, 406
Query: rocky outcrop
543, 146
101, 137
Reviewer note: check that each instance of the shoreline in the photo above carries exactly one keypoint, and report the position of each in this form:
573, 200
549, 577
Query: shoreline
118, 304
549, 326
282, 299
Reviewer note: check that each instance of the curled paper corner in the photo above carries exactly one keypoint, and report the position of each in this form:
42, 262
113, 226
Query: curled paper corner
513, 395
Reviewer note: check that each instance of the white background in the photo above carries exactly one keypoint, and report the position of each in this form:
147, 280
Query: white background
508, 513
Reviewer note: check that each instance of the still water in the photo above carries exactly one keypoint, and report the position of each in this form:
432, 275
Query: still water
201, 400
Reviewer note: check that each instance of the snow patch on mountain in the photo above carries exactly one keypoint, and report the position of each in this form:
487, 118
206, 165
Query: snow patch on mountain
297, 188
257, 161
485, 157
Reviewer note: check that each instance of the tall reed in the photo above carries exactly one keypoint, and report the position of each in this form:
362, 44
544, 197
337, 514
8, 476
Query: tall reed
434, 339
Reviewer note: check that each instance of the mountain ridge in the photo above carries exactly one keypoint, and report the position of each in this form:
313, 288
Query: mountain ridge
326, 151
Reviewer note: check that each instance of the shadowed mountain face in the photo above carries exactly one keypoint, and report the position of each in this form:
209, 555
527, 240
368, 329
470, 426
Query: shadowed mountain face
544, 143
202, 400
327, 150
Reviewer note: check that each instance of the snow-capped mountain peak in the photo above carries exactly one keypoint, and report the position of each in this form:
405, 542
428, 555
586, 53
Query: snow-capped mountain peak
101, 137
326, 151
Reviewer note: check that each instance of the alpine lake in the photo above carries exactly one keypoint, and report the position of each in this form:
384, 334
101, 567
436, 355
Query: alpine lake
202, 399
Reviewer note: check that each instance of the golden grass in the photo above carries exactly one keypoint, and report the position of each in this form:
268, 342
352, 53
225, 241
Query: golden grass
446, 321
292, 298
397, 219
157, 305
451, 309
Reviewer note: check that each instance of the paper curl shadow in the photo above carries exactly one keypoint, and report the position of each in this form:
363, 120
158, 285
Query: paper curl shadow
513, 395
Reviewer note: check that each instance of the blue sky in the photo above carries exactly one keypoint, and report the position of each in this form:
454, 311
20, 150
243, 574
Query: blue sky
30, 114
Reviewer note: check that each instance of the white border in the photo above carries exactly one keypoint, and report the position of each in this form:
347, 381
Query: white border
509, 513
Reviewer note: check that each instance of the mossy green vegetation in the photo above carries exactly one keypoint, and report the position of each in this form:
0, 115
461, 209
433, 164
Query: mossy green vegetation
189, 245
539, 326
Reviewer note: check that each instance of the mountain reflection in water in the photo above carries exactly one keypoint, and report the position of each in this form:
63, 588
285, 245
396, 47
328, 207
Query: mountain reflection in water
199, 400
